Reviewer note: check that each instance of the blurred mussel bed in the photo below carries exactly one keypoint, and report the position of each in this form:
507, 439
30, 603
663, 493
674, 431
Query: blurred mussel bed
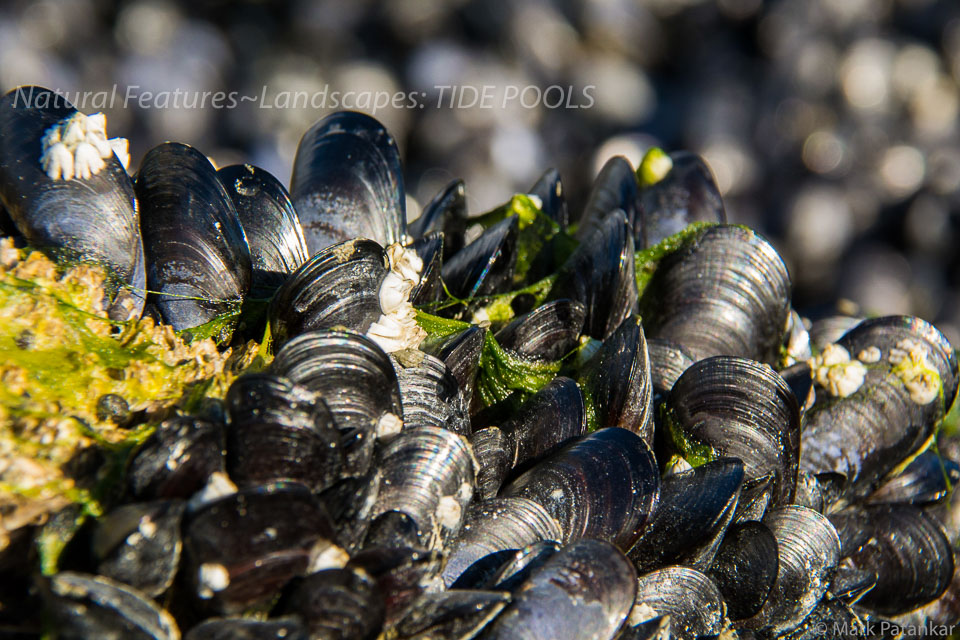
230, 410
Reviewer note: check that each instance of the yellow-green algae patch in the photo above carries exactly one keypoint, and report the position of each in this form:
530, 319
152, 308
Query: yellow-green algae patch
59, 355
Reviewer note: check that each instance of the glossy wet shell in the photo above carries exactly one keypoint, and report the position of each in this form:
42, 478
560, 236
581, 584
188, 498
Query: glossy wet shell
94, 219
198, 261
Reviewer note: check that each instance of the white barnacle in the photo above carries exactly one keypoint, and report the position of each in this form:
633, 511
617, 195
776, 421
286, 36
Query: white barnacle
836, 372
211, 578
389, 425
912, 366
396, 329
77, 147
449, 512
218, 485
327, 556
870, 355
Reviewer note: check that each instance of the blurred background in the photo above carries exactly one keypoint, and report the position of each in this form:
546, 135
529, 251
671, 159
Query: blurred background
830, 125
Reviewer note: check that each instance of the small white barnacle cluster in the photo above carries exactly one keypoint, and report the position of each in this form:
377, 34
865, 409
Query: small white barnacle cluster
77, 147
836, 372
396, 329
918, 374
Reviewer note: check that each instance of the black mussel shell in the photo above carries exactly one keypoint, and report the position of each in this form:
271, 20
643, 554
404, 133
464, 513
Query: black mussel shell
727, 406
356, 380
245, 546
690, 598
668, 361
403, 574
350, 504
832, 619
809, 492
654, 629
461, 352
277, 430
615, 188
139, 544
808, 550
85, 606
485, 265
745, 568
348, 183
451, 614
337, 287
285, 628
428, 475
198, 261
905, 547
177, 460
604, 485
849, 583
725, 291
446, 213
336, 603
599, 274
549, 189
909, 381
687, 194
270, 223
430, 250
497, 525
828, 330
925, 480
691, 518
432, 397
551, 416
549, 332
616, 382
587, 587
94, 219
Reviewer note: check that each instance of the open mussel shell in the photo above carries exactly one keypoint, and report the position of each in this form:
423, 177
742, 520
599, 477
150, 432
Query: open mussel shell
745, 568
245, 546
599, 274
687, 194
691, 518
139, 544
336, 603
428, 475
690, 598
177, 460
808, 551
430, 250
356, 380
604, 485
549, 189
84, 606
549, 332
456, 614
93, 219
337, 287
615, 188
496, 525
587, 588
198, 260
909, 381
616, 382
725, 291
278, 430
446, 213
432, 397
925, 480
273, 231
284, 628
485, 265
348, 183
727, 406
905, 547
548, 418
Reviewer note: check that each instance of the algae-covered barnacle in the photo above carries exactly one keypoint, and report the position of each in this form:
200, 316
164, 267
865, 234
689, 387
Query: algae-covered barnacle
913, 367
60, 356
836, 372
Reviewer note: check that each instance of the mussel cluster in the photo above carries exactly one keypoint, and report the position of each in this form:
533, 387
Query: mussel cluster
498, 426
